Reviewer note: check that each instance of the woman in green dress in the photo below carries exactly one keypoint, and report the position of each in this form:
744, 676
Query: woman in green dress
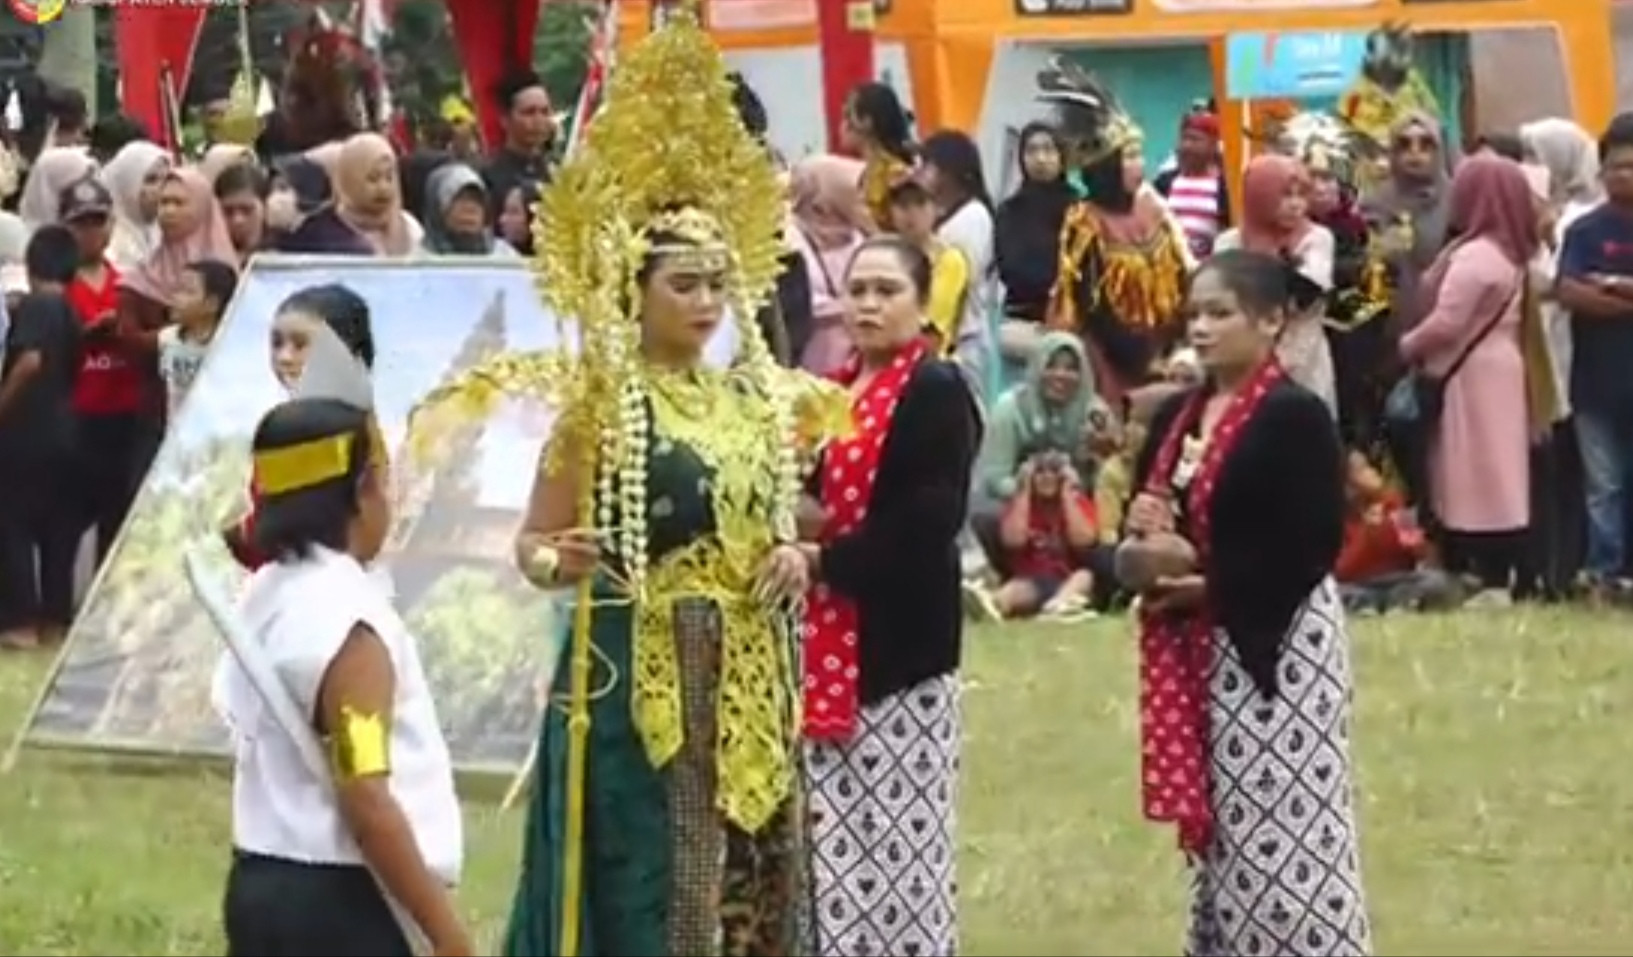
666, 818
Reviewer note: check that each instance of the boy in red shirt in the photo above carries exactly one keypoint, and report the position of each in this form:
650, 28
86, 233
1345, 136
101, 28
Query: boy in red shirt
1046, 531
1381, 565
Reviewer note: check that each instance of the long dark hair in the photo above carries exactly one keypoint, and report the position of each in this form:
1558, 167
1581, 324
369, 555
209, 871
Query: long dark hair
1103, 181
958, 159
878, 105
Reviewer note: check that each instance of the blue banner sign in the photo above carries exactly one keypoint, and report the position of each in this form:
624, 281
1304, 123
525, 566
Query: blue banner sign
1292, 65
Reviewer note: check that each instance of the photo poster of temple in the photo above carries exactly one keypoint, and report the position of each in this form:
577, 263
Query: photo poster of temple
135, 673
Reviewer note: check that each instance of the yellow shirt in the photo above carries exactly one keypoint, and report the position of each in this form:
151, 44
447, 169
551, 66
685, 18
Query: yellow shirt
949, 285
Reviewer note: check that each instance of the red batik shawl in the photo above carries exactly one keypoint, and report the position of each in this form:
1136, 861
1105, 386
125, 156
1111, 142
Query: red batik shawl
1177, 649
849, 467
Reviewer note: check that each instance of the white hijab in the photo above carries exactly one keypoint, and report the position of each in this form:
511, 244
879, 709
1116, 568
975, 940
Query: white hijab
134, 236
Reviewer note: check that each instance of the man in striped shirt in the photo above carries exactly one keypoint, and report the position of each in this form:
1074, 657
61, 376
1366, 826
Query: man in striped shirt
1195, 185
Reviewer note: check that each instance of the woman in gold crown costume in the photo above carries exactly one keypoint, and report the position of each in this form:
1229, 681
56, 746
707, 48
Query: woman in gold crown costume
1123, 260
666, 817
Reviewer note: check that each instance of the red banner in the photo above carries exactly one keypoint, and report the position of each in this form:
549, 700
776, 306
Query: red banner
152, 36
151, 40
847, 57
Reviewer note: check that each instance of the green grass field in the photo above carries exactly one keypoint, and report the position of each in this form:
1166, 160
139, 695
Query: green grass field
1497, 790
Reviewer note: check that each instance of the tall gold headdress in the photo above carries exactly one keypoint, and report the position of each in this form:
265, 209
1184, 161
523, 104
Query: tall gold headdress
666, 166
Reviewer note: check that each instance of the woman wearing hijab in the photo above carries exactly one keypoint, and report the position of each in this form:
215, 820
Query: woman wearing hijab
1472, 337
456, 215
1571, 158
414, 173
299, 186
1026, 241
54, 170
133, 178
1407, 212
191, 229
1275, 221
366, 217
1559, 521
1049, 411
828, 223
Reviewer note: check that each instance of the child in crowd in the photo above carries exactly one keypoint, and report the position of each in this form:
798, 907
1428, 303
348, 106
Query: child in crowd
913, 214
206, 288
295, 325
39, 526
1113, 446
1381, 565
320, 858
1046, 532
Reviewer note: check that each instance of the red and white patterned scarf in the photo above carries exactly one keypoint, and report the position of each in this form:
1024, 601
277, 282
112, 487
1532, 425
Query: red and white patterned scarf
849, 467
1176, 650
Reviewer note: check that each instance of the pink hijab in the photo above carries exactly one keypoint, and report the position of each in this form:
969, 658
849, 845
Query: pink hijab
1490, 199
159, 276
828, 205
387, 229
1265, 183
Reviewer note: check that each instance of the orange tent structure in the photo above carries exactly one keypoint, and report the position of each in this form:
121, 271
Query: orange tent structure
955, 51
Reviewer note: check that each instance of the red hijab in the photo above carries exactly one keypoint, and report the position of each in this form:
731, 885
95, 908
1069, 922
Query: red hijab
1265, 184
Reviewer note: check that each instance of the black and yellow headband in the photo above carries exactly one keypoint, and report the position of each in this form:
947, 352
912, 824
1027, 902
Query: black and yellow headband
295, 468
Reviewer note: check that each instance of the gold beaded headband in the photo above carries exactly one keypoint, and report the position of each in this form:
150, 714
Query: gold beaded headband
704, 246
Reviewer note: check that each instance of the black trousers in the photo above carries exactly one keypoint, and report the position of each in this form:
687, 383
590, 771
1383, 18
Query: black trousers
39, 538
280, 908
114, 454
1559, 520
1497, 559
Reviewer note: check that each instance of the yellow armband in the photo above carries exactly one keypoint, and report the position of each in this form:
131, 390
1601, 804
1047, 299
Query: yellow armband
360, 747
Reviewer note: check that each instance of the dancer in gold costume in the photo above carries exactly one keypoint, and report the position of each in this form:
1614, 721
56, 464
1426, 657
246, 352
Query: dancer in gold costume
666, 817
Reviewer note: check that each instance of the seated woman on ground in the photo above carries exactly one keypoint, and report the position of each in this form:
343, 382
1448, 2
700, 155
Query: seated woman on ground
1047, 531
1051, 410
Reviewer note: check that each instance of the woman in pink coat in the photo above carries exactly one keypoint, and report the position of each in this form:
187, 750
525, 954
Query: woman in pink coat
1479, 475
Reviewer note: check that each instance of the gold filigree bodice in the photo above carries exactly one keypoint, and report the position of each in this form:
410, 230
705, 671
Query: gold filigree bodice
713, 486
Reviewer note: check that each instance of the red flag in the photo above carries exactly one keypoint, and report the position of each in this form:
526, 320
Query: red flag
151, 38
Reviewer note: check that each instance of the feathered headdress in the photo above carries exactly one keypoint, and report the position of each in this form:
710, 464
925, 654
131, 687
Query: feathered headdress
1321, 141
1091, 121
1390, 50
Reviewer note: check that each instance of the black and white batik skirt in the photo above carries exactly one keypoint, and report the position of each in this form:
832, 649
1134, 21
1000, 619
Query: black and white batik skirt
1282, 877
882, 829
